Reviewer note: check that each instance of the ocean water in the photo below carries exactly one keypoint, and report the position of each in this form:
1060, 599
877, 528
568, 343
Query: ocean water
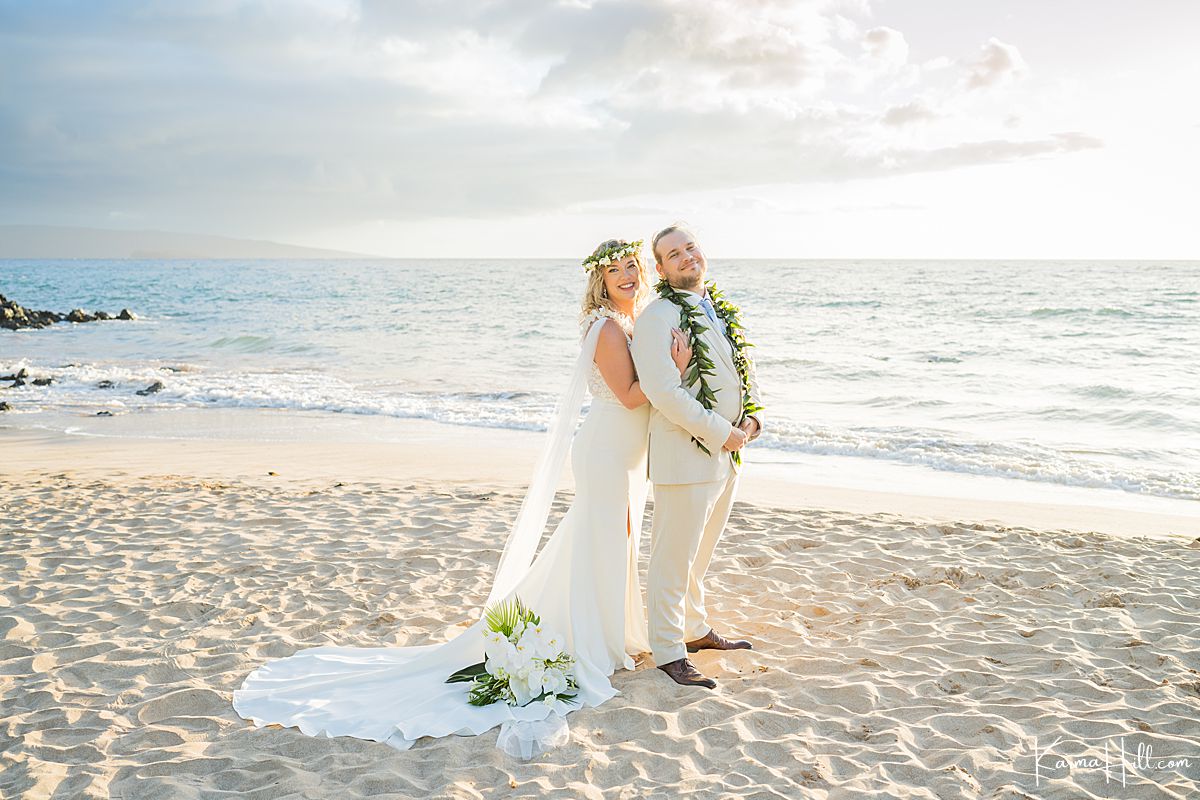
1066, 373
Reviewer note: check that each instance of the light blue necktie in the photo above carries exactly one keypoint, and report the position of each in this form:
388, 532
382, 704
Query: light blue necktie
711, 312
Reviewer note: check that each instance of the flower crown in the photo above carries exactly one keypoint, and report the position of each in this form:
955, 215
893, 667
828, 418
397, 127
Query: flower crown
612, 255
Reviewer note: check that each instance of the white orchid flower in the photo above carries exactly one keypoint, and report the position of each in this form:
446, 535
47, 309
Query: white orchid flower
522, 657
534, 677
522, 691
554, 681
547, 647
498, 653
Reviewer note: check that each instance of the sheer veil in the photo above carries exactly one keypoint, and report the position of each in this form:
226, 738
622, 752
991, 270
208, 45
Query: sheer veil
521, 546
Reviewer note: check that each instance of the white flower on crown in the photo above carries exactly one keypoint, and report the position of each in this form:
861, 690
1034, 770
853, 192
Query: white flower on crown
612, 256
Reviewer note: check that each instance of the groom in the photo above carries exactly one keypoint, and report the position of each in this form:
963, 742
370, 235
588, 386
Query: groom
693, 491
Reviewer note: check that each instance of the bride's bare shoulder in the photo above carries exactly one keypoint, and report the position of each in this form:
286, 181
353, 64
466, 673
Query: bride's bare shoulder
596, 315
612, 338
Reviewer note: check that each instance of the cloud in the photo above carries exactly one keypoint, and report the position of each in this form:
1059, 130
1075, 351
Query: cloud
886, 44
969, 154
592, 209
915, 111
741, 204
252, 118
735, 56
997, 63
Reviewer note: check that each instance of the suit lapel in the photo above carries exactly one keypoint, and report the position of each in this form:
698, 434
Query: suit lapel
717, 341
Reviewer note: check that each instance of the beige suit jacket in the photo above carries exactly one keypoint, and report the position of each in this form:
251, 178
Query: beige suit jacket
677, 415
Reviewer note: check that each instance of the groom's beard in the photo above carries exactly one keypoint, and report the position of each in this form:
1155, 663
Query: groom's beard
688, 284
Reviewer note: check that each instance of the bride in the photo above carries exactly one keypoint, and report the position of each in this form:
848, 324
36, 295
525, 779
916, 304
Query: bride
583, 583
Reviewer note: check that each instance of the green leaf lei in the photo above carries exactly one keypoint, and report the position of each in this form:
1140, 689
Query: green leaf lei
692, 322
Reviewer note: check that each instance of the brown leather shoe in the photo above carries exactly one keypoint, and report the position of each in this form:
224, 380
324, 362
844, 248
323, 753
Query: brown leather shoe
715, 641
683, 673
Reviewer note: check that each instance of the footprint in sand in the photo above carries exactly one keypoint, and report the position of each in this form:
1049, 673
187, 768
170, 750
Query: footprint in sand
183, 703
17, 629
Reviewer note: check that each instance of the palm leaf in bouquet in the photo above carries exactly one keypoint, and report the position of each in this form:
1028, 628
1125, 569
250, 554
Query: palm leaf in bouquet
504, 616
468, 673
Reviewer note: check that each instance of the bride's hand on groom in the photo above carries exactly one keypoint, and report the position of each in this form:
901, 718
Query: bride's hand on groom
681, 351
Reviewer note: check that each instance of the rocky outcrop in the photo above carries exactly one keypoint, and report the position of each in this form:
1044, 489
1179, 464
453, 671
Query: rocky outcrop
14, 316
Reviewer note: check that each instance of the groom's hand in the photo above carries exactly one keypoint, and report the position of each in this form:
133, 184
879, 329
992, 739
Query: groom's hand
737, 438
750, 426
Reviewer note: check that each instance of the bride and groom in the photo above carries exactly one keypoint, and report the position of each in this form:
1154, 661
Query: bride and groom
674, 397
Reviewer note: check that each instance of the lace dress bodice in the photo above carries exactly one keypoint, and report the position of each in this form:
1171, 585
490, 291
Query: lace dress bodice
597, 386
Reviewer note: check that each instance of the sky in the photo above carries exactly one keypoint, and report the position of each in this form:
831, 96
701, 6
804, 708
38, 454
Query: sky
497, 128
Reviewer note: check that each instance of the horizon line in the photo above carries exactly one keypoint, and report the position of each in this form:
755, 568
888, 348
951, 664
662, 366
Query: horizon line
576, 258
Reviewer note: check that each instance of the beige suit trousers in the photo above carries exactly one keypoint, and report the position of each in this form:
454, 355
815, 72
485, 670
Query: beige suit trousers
688, 521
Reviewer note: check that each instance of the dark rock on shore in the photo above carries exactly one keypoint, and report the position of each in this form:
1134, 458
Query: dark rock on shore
4, 406
14, 316
105, 385
153, 388
19, 380
104, 413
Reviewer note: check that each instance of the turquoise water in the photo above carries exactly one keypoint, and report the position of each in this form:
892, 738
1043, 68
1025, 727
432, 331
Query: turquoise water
1068, 373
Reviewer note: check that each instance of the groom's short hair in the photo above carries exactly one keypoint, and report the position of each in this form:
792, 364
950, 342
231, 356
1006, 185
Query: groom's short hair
678, 226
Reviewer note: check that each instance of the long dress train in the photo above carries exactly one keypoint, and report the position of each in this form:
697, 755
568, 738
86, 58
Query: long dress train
584, 585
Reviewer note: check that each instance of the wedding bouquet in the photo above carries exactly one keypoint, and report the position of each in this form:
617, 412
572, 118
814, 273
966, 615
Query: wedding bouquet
523, 661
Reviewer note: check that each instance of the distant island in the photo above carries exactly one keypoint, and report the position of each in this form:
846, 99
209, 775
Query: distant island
49, 241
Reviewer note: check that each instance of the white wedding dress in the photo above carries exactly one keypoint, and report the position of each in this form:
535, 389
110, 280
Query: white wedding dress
584, 585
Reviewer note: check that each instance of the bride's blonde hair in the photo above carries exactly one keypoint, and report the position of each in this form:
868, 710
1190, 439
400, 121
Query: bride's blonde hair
594, 295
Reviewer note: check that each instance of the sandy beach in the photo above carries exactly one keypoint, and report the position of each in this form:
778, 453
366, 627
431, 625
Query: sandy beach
914, 648
295, 295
